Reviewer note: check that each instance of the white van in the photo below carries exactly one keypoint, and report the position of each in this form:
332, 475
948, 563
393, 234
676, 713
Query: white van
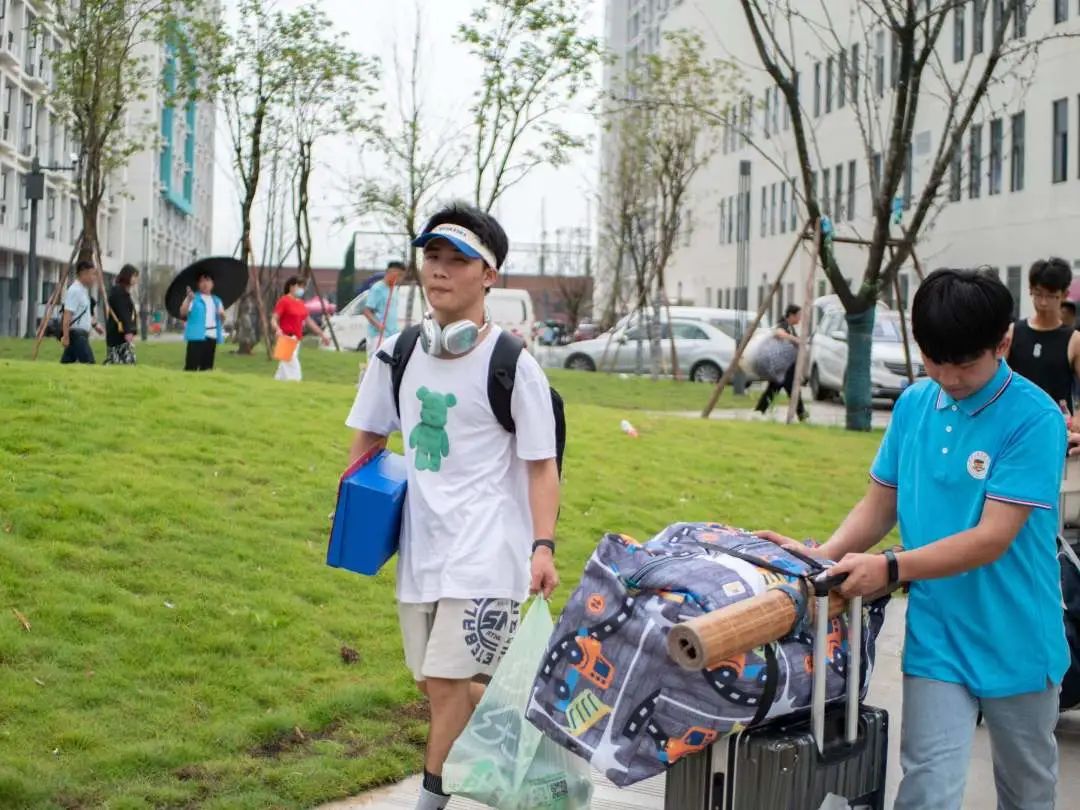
510, 309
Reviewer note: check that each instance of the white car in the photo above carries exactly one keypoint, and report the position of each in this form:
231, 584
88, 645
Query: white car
888, 368
703, 350
510, 309
729, 321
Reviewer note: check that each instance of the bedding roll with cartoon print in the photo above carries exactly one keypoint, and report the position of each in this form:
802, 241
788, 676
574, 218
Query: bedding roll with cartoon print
367, 520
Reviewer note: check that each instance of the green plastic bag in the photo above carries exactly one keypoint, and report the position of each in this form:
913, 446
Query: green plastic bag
501, 759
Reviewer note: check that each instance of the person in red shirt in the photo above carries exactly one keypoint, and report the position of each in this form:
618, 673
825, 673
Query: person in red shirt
290, 317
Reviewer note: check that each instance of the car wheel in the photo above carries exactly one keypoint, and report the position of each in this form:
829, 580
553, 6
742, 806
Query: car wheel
706, 372
819, 392
580, 362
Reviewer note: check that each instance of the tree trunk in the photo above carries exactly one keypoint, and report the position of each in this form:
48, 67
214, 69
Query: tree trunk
655, 336
643, 309
857, 386
247, 309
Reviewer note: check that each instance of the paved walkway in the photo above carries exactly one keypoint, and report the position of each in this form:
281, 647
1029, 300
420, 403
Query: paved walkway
885, 691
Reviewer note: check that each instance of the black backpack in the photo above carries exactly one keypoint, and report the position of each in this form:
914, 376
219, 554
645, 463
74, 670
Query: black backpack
501, 373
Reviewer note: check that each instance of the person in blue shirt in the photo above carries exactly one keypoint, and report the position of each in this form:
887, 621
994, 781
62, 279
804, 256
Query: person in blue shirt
971, 469
381, 307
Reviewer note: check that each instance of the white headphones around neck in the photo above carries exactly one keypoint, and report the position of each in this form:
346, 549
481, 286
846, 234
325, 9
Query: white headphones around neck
455, 338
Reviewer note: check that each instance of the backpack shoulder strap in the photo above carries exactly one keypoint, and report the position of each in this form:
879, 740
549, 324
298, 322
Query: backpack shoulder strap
402, 352
501, 372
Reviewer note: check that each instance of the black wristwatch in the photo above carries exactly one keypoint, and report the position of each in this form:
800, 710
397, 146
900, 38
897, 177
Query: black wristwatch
893, 566
548, 544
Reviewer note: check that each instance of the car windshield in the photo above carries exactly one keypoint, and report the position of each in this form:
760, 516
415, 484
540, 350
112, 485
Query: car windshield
887, 330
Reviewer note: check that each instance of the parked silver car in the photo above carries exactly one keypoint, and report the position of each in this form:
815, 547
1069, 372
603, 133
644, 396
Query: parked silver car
703, 350
888, 369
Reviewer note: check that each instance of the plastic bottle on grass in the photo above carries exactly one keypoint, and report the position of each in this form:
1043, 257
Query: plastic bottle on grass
628, 429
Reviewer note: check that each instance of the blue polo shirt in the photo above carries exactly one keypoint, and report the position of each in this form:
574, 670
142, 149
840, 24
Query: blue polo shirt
997, 629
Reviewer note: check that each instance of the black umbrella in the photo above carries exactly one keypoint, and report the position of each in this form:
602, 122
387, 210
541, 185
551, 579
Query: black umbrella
230, 280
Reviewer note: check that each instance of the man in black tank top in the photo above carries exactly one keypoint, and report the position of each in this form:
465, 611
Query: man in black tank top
1043, 348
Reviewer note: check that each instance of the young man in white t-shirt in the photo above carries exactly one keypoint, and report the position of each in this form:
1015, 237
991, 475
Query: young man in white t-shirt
480, 512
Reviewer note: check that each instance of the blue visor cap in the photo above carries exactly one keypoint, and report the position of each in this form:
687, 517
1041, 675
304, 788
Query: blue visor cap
461, 238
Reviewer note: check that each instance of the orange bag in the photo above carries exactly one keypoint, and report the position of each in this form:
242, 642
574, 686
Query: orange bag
285, 348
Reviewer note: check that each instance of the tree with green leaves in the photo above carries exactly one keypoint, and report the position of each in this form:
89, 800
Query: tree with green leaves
659, 154
535, 61
887, 93
256, 71
104, 61
414, 163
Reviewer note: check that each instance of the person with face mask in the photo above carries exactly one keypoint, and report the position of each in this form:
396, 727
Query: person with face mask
289, 319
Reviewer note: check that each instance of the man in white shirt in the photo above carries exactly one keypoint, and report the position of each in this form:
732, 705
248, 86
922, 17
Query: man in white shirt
480, 513
78, 317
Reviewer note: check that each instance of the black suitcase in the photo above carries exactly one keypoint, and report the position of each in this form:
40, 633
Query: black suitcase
795, 763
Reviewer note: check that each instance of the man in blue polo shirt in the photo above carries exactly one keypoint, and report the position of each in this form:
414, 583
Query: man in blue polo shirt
971, 468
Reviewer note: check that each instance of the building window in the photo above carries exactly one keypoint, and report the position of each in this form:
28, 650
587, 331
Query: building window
1061, 140
817, 89
768, 109
838, 206
956, 169
909, 168
959, 23
879, 64
723, 220
1061, 11
824, 197
978, 29
787, 109
783, 207
732, 216
828, 84
1016, 158
772, 209
1013, 283
764, 210
851, 190
875, 174
855, 67
894, 50
794, 207
998, 15
997, 147
776, 101
841, 81
975, 162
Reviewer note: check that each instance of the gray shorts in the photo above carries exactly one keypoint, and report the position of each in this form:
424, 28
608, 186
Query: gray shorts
457, 639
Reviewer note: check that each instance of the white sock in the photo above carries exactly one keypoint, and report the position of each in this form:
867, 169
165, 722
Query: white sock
431, 801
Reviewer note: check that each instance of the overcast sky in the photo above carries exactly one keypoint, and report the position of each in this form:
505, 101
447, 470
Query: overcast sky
450, 76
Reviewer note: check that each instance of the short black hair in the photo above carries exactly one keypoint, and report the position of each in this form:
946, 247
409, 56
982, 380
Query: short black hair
792, 309
483, 224
1070, 305
959, 314
84, 264
204, 274
289, 282
395, 265
1050, 274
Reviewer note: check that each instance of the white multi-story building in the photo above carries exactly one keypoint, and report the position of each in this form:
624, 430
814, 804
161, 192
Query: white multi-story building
167, 185
1013, 195
170, 188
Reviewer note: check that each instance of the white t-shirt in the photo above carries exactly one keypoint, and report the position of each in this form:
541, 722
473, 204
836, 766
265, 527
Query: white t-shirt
211, 315
77, 302
467, 529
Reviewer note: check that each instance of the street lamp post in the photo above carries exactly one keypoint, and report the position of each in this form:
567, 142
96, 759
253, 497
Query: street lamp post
35, 191
144, 297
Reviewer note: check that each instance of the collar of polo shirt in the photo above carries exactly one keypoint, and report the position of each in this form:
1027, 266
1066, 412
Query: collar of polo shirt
984, 397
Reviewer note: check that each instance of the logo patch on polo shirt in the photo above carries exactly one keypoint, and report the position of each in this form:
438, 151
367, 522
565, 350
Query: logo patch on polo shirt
978, 464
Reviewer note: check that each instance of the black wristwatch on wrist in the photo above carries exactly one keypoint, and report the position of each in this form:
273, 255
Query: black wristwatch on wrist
893, 566
545, 543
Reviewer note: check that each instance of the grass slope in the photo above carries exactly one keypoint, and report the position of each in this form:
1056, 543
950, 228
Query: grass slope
628, 393
164, 535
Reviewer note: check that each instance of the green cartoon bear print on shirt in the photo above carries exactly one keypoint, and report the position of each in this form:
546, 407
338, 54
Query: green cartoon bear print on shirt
430, 438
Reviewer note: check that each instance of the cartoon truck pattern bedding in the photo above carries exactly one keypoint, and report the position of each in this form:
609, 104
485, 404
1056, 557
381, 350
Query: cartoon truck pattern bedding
607, 689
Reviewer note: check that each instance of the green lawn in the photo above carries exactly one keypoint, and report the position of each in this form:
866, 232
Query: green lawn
625, 392
164, 535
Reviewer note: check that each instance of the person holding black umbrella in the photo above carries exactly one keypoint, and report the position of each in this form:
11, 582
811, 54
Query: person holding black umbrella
205, 316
